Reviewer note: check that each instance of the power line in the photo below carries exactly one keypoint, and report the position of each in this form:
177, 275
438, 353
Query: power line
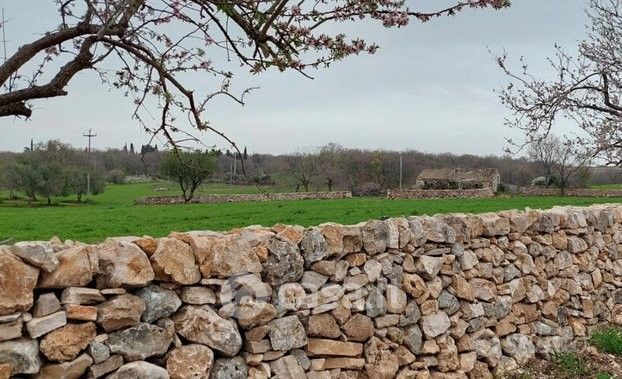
90, 135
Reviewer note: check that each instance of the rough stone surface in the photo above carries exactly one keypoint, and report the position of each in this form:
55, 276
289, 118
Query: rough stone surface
159, 302
229, 368
76, 268
17, 281
287, 333
123, 265
36, 253
140, 370
174, 261
120, 312
67, 370
189, 361
285, 264
42, 325
140, 342
64, 344
204, 326
22, 354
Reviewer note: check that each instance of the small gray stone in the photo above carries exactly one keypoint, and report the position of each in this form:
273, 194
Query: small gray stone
411, 315
159, 302
435, 324
229, 368
519, 347
312, 281
448, 302
285, 264
98, 351
428, 267
43, 325
287, 333
413, 339
101, 369
45, 305
313, 246
375, 304
140, 342
37, 253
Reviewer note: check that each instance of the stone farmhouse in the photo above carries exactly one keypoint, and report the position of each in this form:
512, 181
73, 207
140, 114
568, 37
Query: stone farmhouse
458, 178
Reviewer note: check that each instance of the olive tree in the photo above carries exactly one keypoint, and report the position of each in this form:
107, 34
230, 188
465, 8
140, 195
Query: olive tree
189, 169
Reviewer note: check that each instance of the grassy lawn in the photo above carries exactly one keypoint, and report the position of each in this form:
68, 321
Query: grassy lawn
114, 214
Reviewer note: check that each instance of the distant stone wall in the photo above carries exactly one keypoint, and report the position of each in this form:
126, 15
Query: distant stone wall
582, 192
479, 193
449, 296
231, 198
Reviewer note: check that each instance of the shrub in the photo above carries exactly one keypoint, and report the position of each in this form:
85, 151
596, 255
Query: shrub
116, 176
570, 363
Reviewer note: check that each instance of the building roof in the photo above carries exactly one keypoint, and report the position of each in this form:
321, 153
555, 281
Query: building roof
459, 174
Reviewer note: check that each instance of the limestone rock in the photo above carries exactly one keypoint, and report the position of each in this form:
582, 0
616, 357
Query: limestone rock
313, 246
123, 265
36, 253
519, 347
323, 325
287, 367
250, 312
174, 261
81, 312
320, 346
435, 324
202, 325
42, 325
291, 296
359, 328
494, 225
23, 354
140, 342
197, 295
189, 361
312, 281
11, 329
428, 267
140, 370
226, 255
105, 367
17, 282
229, 368
120, 312
77, 295
76, 267
287, 333
285, 264
64, 344
67, 370
396, 299
413, 339
159, 302
46, 304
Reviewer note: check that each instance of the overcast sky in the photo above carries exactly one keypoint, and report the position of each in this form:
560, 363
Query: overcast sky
429, 87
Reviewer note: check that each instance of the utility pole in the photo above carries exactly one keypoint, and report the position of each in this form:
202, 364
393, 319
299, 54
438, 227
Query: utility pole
4, 34
400, 170
88, 172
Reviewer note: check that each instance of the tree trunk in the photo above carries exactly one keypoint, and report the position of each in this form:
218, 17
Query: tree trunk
49, 201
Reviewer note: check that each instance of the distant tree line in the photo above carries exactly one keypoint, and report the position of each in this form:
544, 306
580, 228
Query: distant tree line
330, 167
51, 169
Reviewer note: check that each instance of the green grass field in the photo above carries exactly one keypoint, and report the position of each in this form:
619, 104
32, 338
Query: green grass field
114, 214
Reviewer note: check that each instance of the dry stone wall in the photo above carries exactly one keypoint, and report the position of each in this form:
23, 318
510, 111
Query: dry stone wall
583, 192
232, 198
478, 193
449, 296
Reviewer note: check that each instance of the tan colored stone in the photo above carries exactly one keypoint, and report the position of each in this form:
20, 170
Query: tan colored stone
76, 268
64, 344
147, 244
319, 346
68, 370
344, 363
189, 361
81, 312
41, 325
17, 282
123, 265
120, 312
174, 261
462, 288
6, 369
323, 325
359, 328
